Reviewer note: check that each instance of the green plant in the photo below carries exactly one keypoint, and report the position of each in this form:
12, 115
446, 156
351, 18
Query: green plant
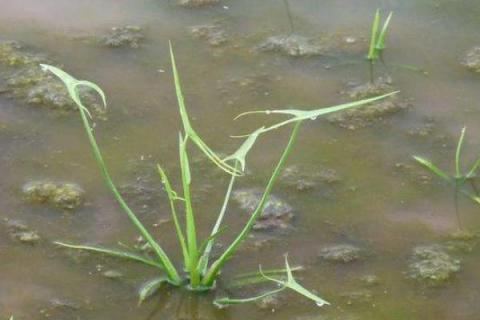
459, 179
201, 274
377, 41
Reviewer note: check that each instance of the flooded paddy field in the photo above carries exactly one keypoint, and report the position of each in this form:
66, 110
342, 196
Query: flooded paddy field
378, 235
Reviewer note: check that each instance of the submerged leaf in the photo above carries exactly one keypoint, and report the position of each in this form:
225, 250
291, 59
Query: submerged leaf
257, 277
149, 288
225, 302
112, 252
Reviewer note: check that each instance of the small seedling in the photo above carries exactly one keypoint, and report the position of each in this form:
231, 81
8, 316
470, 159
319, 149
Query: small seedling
459, 179
198, 272
377, 41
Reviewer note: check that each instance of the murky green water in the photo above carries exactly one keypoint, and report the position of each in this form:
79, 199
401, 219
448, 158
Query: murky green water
383, 202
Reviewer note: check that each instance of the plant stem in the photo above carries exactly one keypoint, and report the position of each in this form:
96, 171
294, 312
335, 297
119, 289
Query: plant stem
189, 216
216, 227
457, 213
216, 267
172, 273
370, 70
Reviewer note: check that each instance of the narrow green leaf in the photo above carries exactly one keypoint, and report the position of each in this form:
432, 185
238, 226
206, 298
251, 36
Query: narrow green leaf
191, 232
381, 38
241, 153
94, 87
112, 252
224, 302
372, 52
149, 288
458, 152
189, 131
172, 196
203, 262
300, 115
212, 237
433, 168
72, 85
292, 284
215, 268
257, 277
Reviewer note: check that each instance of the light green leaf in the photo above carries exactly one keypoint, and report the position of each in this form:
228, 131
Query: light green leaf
241, 153
112, 252
172, 196
149, 288
381, 38
292, 284
189, 131
458, 152
257, 277
433, 168
224, 302
300, 115
372, 51
72, 85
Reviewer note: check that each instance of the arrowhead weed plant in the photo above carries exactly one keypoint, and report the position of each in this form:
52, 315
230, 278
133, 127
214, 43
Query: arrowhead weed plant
459, 180
199, 271
377, 41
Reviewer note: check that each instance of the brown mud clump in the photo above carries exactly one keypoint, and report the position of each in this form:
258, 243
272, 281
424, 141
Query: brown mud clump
374, 112
66, 196
472, 59
196, 3
124, 37
211, 33
432, 265
277, 214
25, 81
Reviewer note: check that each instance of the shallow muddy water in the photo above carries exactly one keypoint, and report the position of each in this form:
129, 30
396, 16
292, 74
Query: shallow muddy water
356, 184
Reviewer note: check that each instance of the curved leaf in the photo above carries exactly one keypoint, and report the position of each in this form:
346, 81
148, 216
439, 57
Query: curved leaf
149, 288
